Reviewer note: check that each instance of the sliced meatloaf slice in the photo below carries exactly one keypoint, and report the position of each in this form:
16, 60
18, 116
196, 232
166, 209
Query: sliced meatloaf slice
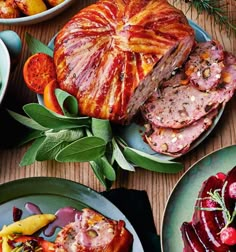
205, 65
93, 232
176, 105
113, 54
176, 142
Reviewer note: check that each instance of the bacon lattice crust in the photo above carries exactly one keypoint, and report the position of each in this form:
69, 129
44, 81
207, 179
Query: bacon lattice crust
114, 53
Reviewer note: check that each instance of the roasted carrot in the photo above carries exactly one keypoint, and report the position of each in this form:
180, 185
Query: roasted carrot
49, 97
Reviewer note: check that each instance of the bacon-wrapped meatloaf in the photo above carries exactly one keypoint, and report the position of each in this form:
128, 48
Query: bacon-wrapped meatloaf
93, 232
113, 54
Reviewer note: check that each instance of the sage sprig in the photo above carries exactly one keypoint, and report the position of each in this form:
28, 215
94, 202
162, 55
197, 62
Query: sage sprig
74, 138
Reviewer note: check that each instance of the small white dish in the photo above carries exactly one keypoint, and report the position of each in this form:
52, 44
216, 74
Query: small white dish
37, 18
5, 65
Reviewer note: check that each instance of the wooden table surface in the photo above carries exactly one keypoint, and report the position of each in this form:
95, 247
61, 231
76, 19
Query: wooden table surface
158, 186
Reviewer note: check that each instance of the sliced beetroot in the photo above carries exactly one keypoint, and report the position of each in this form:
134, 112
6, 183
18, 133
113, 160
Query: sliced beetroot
230, 190
191, 239
208, 224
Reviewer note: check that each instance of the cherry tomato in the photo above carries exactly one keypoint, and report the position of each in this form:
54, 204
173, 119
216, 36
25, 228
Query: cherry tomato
228, 236
232, 190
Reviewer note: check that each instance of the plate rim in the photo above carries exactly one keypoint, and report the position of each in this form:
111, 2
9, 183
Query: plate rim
178, 183
59, 182
39, 17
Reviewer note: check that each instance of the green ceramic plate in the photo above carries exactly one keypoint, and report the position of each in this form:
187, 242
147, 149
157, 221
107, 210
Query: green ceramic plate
50, 194
180, 205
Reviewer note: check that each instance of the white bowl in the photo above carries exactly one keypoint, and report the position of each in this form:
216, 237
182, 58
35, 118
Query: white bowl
5, 65
37, 18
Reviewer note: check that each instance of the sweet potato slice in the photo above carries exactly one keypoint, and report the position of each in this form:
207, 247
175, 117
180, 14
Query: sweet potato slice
38, 71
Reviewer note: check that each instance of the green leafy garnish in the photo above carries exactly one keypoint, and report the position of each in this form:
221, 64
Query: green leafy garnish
36, 46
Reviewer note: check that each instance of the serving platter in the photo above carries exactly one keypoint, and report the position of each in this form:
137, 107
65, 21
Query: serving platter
37, 18
51, 194
132, 134
180, 205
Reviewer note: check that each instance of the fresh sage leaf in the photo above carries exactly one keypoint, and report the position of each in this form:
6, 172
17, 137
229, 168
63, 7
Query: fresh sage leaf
48, 119
107, 169
26, 121
95, 165
30, 136
67, 135
151, 162
83, 150
49, 148
67, 102
119, 157
36, 46
30, 155
102, 128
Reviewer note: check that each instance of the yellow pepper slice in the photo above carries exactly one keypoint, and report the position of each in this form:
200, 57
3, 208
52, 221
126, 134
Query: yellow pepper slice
29, 225
5, 246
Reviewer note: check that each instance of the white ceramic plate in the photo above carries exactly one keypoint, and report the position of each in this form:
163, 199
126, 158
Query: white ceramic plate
5, 66
37, 18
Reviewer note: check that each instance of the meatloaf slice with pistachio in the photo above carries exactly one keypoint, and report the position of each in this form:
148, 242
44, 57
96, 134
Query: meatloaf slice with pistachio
176, 142
205, 65
93, 232
178, 104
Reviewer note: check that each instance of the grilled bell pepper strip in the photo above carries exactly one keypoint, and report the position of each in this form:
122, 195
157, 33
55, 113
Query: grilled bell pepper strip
29, 225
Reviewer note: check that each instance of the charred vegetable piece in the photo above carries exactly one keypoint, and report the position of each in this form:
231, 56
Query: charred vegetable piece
38, 71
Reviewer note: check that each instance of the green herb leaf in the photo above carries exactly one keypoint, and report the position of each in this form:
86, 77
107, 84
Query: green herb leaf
67, 102
36, 46
51, 120
67, 135
107, 169
95, 165
82, 150
30, 156
119, 157
150, 162
102, 128
28, 122
50, 148
30, 136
